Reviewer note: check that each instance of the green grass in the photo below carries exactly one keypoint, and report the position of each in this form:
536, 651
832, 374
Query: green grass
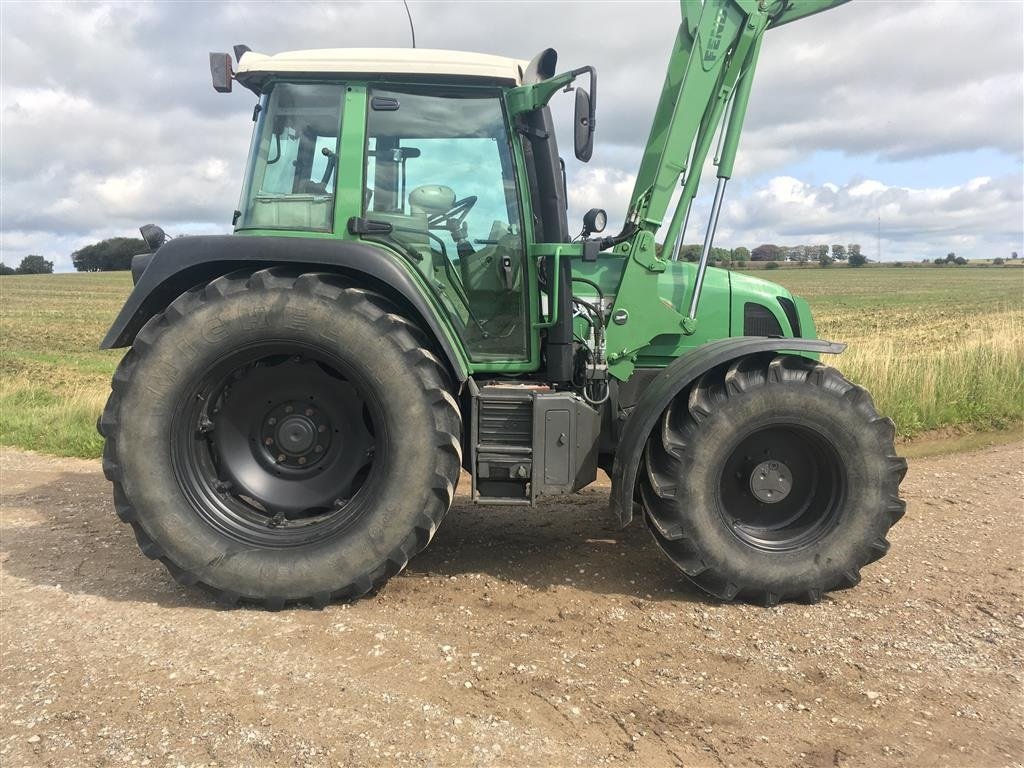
937, 348
53, 377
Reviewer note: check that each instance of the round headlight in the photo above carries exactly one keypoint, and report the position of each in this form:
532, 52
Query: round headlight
595, 220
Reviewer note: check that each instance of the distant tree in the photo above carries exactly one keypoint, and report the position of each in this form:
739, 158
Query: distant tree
689, 252
5, 270
108, 255
720, 255
821, 251
960, 261
857, 259
941, 262
1014, 255
852, 250
896, 264
772, 265
740, 254
766, 252
839, 252
35, 265
950, 257
999, 261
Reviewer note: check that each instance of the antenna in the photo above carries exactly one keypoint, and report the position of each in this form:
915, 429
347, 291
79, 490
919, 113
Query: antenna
412, 29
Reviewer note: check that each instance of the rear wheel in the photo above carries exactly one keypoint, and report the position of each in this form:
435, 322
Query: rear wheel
277, 438
772, 478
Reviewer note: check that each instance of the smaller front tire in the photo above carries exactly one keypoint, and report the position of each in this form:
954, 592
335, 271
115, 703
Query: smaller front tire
772, 478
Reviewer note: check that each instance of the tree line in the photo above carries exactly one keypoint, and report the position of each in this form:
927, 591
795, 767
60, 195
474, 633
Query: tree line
116, 254
109, 255
802, 254
30, 265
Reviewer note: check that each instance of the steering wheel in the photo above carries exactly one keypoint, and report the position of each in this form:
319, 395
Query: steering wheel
454, 216
454, 220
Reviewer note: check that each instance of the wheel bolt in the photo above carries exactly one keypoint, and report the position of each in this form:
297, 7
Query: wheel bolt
302, 459
321, 428
269, 441
288, 409
271, 421
319, 449
280, 457
309, 411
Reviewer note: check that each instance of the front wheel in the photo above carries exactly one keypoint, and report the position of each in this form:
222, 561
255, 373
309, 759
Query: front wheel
772, 478
277, 437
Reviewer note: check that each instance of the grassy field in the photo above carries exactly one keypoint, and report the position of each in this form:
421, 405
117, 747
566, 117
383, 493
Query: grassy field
936, 347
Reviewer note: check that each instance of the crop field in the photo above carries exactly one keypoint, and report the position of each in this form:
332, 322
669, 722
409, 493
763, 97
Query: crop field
938, 348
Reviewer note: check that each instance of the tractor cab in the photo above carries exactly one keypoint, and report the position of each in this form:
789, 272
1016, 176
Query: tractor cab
443, 178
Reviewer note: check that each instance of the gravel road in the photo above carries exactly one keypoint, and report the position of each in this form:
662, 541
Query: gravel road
540, 638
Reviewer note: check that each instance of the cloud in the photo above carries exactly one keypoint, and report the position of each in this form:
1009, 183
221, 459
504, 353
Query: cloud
980, 216
109, 120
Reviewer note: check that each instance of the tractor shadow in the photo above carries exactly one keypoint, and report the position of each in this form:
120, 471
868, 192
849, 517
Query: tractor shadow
59, 531
569, 541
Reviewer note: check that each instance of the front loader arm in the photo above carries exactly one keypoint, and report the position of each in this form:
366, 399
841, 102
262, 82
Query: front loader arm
707, 85
718, 43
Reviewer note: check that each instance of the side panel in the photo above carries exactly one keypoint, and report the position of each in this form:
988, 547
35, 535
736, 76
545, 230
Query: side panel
186, 262
667, 384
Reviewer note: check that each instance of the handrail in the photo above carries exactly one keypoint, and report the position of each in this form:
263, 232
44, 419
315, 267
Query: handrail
552, 289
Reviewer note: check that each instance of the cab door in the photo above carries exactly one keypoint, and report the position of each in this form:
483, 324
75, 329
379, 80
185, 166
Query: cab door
440, 170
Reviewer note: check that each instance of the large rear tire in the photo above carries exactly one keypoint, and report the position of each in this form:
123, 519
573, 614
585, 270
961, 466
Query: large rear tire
276, 438
772, 478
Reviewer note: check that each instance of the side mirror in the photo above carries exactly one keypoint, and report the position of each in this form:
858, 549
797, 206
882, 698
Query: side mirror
583, 126
220, 70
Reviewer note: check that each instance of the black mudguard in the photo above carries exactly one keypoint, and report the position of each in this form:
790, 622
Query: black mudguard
678, 375
186, 262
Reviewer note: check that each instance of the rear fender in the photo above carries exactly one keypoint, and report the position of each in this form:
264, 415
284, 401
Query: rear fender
189, 261
676, 377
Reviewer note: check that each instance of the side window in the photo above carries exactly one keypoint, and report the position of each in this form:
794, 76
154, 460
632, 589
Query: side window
439, 169
292, 169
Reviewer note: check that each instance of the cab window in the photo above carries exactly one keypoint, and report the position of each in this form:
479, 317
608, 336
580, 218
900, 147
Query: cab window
292, 170
439, 170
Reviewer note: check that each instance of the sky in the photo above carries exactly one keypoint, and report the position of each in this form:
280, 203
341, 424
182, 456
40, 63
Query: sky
892, 116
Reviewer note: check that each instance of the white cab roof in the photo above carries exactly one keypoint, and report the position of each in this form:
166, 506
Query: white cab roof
398, 61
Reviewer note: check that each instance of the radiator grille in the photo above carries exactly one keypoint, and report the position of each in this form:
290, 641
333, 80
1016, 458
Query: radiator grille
758, 320
506, 422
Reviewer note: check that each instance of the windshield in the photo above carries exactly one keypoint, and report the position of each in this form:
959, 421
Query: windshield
291, 177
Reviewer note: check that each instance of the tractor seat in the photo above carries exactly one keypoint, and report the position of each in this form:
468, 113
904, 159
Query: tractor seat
431, 199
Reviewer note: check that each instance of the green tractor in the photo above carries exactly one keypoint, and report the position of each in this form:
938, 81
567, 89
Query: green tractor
403, 298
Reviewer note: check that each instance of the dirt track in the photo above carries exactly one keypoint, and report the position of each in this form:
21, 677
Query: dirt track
542, 638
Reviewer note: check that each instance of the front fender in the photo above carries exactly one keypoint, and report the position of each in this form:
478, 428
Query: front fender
678, 375
189, 261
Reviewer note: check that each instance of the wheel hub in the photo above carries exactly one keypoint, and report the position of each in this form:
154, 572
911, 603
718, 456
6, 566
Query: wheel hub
771, 481
296, 434
289, 440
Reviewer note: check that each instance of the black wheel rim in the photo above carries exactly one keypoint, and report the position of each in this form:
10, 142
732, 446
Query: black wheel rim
278, 445
782, 487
